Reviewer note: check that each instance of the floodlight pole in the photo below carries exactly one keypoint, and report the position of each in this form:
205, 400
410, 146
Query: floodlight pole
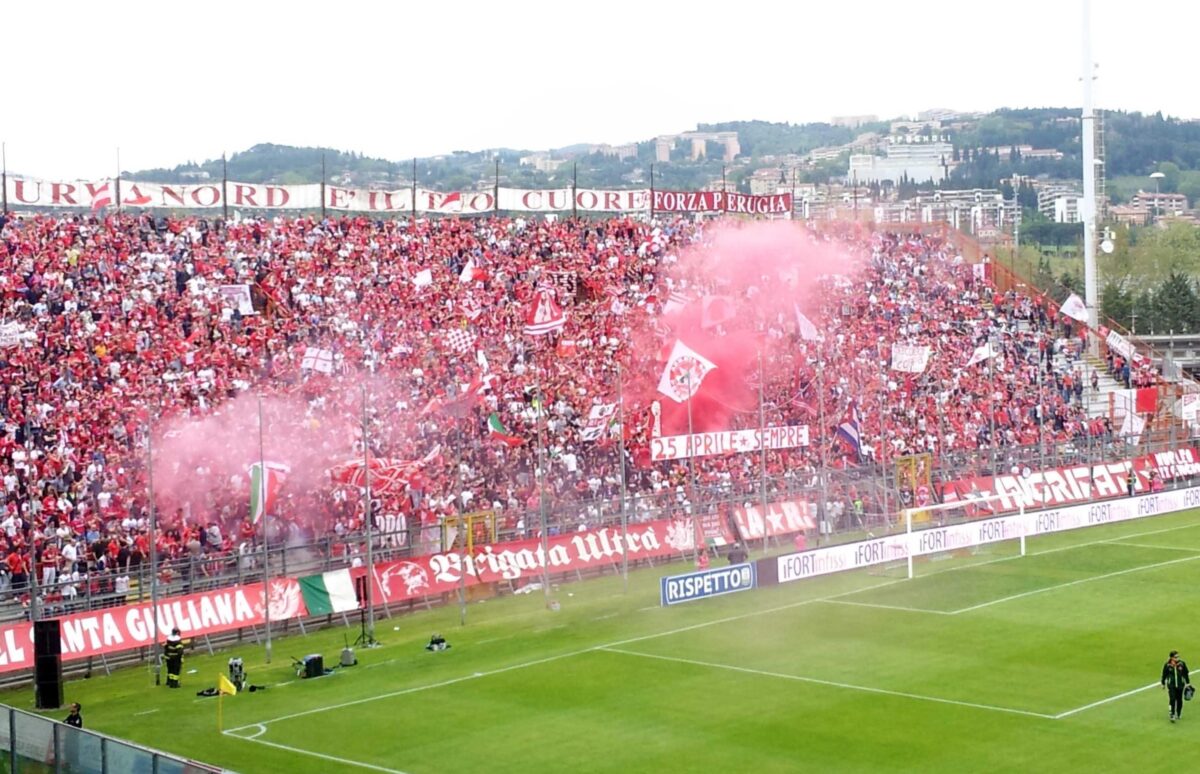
368, 519
262, 485
762, 446
155, 653
1088, 130
621, 463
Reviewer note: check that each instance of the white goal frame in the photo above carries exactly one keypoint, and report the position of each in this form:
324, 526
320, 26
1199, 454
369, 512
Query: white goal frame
907, 513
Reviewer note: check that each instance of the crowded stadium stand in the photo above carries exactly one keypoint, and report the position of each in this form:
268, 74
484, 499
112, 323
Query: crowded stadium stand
494, 350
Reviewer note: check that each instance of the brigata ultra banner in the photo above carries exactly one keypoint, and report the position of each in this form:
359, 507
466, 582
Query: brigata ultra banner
524, 560
1074, 484
678, 447
850, 556
105, 192
115, 629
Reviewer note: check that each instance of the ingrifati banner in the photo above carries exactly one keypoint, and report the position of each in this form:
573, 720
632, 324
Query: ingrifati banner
1056, 487
97, 194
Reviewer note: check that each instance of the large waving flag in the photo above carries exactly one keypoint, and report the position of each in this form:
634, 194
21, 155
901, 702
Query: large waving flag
808, 331
265, 486
544, 316
497, 431
683, 373
1074, 308
847, 431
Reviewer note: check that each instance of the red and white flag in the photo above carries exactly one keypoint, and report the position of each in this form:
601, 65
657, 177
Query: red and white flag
459, 340
684, 372
544, 316
317, 359
1074, 308
808, 331
471, 272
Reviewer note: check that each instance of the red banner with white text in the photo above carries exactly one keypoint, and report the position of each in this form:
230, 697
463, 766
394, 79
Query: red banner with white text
1073, 484
524, 560
114, 629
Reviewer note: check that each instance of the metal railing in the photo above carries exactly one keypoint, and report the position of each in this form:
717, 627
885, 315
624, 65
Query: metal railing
32, 743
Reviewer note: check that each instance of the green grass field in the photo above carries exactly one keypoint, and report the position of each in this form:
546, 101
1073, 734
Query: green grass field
989, 662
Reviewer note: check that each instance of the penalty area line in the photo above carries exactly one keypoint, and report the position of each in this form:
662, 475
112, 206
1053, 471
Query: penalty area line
1102, 702
832, 683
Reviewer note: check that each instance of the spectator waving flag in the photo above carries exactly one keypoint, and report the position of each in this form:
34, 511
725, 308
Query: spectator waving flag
497, 431
1074, 308
544, 316
317, 359
459, 340
808, 331
847, 431
684, 372
266, 479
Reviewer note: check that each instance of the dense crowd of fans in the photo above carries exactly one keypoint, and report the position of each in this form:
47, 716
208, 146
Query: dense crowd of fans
120, 330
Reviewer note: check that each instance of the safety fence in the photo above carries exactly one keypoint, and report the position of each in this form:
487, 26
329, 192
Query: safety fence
32, 743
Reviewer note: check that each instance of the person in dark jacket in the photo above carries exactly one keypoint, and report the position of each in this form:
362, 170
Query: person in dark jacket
173, 652
1174, 679
75, 719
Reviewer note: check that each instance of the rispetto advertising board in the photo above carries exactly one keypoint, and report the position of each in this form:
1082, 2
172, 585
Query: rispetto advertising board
707, 583
865, 553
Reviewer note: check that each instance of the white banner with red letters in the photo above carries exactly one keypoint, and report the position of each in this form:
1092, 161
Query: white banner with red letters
679, 447
208, 195
1057, 487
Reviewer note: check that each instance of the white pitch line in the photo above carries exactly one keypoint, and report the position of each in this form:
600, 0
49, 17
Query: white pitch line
145, 712
887, 607
1157, 548
1069, 713
1055, 587
833, 684
323, 756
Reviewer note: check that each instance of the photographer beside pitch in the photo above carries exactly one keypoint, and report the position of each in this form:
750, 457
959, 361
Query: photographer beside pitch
1175, 680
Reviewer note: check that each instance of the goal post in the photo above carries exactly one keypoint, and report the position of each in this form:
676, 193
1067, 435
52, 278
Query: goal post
971, 526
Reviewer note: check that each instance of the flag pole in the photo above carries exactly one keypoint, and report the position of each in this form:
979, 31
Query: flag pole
881, 450
155, 654
262, 492
824, 441
541, 478
368, 518
692, 476
762, 446
220, 700
621, 461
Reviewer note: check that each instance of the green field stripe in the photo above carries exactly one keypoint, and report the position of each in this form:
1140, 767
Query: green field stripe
1077, 582
831, 683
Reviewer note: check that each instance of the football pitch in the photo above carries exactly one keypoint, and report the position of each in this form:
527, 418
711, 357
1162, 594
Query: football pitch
983, 662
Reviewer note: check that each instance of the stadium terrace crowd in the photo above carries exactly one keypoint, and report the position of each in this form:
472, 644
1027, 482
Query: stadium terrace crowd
122, 328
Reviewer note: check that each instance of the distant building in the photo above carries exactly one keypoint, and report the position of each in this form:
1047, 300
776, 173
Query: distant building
621, 152
1160, 205
1060, 202
542, 162
1129, 215
917, 159
199, 174
853, 122
663, 144
768, 181
939, 115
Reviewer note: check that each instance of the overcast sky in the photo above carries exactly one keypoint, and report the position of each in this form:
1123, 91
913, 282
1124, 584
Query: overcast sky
169, 82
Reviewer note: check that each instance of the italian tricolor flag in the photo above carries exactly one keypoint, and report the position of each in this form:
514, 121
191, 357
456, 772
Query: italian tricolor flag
266, 479
497, 432
330, 592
